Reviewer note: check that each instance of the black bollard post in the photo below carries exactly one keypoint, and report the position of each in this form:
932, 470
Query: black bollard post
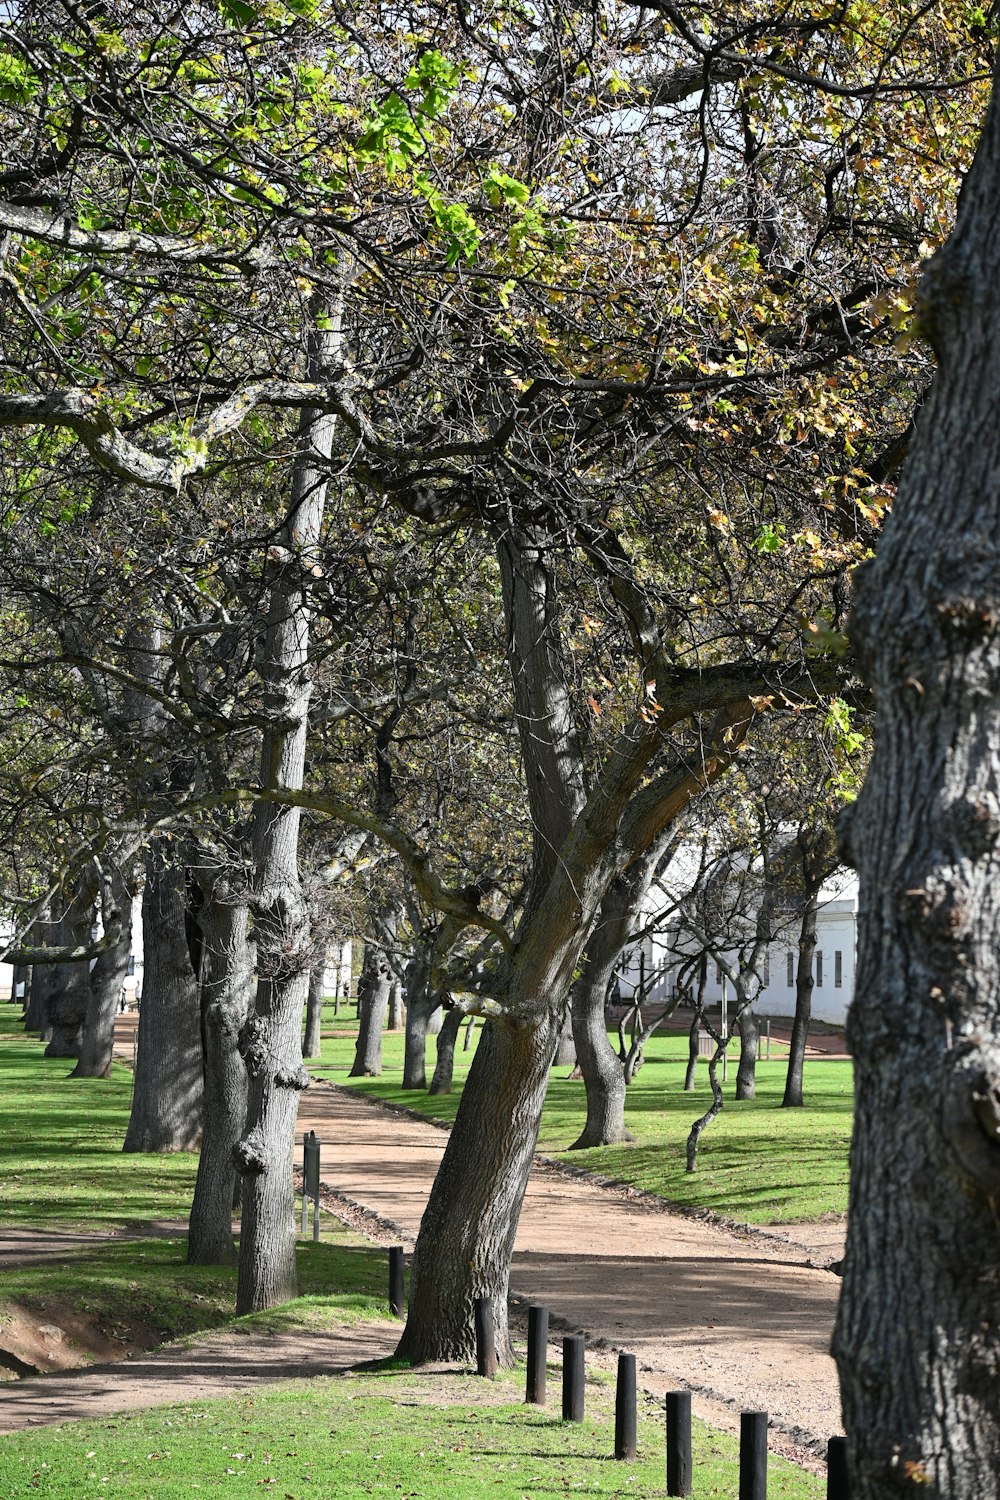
678, 1442
486, 1351
397, 1303
625, 1441
838, 1486
574, 1378
538, 1348
753, 1455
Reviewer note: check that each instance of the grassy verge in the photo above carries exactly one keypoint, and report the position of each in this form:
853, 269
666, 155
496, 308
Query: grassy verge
758, 1162
394, 1432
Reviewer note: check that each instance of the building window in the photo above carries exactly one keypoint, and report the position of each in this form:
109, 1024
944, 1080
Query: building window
790, 970
819, 968
838, 970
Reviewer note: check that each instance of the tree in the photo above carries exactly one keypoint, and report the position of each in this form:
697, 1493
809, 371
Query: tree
917, 1343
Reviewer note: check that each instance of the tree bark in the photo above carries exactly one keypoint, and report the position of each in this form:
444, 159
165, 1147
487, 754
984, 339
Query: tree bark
746, 1073
313, 1042
396, 1018
803, 1004
227, 981
374, 988
167, 1097
603, 1075
421, 1003
445, 1066
467, 1232
917, 1340
68, 998
106, 980
271, 1041
565, 1053
43, 978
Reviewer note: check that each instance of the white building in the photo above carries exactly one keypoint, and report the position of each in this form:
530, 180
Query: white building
662, 952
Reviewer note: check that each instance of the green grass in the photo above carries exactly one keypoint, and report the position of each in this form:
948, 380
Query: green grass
149, 1281
758, 1162
62, 1163
392, 1432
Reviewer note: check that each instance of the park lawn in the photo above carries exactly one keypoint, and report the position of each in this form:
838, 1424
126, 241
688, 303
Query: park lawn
757, 1162
393, 1431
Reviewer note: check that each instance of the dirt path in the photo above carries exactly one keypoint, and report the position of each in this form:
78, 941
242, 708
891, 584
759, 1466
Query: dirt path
219, 1364
742, 1318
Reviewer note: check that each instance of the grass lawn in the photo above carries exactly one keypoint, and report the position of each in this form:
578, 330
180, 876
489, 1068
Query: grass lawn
757, 1162
393, 1432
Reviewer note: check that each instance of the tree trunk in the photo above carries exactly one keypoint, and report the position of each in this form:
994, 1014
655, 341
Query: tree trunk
106, 980
803, 1004
421, 1003
565, 1053
445, 1066
746, 1073
917, 1339
67, 1003
167, 1097
374, 988
468, 1229
469, 1030
271, 1041
227, 981
714, 1109
603, 1075
312, 1045
43, 978
396, 1017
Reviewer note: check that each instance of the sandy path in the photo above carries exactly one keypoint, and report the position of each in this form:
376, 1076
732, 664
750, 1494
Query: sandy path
219, 1364
741, 1317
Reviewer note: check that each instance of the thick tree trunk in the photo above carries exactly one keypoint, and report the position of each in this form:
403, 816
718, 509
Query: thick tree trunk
167, 1097
467, 1232
918, 1339
20, 980
227, 983
803, 1004
746, 1073
603, 1075
271, 1042
396, 1017
313, 1041
445, 1066
106, 980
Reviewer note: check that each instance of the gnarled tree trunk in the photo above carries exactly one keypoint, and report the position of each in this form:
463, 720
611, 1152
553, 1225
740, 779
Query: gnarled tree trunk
167, 1097
227, 981
67, 1001
271, 1041
746, 1073
918, 1339
374, 987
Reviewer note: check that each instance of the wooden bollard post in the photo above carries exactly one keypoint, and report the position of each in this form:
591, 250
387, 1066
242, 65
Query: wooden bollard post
397, 1301
574, 1378
625, 1440
838, 1486
753, 1455
538, 1348
486, 1351
678, 1442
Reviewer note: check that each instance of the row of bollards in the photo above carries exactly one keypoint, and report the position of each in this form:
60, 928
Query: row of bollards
753, 1424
